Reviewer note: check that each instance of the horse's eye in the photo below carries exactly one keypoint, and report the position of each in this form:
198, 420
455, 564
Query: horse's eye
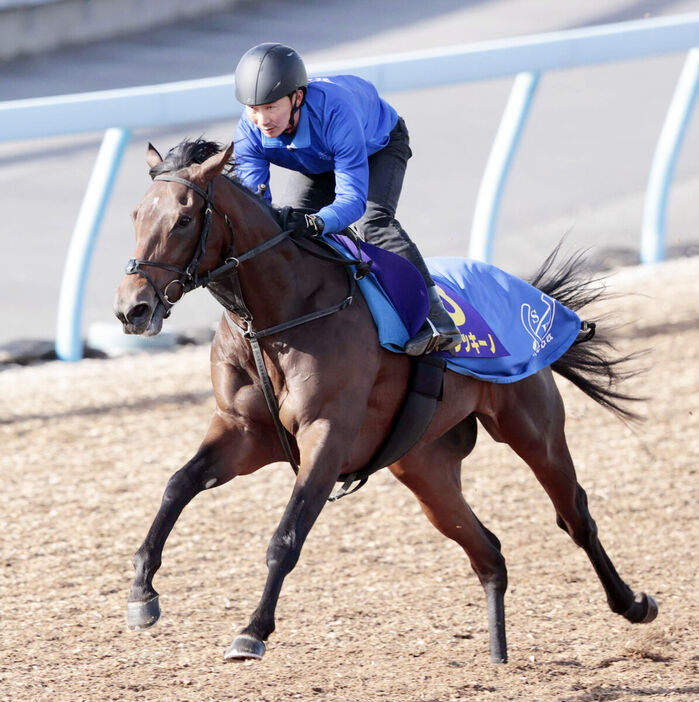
183, 221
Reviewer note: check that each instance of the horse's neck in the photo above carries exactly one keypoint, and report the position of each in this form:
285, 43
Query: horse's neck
277, 284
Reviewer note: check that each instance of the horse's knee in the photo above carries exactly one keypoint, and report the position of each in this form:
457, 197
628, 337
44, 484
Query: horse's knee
200, 473
182, 484
283, 551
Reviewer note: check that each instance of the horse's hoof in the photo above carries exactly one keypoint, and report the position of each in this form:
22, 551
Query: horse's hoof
652, 611
245, 647
143, 615
643, 610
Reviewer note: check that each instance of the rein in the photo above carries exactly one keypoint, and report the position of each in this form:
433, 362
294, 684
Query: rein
189, 279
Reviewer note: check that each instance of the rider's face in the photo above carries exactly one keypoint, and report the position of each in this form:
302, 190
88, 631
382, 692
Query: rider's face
272, 119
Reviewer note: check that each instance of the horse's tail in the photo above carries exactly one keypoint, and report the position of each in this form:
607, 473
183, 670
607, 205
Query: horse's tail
591, 363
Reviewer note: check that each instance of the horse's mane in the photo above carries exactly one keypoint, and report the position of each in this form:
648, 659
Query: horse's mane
190, 151
187, 152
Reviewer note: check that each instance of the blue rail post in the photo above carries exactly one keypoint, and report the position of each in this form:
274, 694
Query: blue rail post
69, 344
501, 153
664, 159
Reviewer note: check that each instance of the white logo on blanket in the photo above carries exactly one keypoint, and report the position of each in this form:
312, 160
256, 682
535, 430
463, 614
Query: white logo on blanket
538, 323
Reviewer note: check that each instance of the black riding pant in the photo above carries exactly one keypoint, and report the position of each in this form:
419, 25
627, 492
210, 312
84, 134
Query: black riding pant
378, 225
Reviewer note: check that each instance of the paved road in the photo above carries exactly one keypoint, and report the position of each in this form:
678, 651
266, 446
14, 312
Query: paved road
582, 166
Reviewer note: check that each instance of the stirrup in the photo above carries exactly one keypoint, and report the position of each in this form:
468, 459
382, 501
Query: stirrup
436, 341
432, 343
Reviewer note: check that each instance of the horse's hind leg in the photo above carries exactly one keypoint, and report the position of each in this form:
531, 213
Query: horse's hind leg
530, 417
224, 453
433, 473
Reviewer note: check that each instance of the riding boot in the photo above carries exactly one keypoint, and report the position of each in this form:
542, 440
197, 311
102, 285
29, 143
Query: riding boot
438, 333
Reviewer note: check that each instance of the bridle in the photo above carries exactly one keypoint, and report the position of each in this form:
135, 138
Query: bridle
189, 279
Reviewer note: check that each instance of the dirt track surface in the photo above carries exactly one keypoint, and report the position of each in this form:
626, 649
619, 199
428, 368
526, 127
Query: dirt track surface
381, 606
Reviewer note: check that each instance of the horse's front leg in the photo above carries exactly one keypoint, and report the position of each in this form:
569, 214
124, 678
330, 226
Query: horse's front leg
227, 450
322, 458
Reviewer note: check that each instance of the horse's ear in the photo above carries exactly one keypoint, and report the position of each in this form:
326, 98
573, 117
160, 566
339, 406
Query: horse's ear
215, 164
153, 158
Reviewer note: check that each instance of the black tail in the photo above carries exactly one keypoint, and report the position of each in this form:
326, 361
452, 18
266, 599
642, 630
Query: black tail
589, 364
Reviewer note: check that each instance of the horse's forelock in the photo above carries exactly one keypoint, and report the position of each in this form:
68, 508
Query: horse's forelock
186, 153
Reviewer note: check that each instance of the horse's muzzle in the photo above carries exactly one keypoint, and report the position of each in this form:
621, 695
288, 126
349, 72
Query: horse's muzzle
139, 315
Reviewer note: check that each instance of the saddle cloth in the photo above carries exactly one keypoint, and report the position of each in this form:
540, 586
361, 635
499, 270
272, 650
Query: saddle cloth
510, 329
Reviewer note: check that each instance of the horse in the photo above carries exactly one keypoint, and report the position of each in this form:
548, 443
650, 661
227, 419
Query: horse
335, 391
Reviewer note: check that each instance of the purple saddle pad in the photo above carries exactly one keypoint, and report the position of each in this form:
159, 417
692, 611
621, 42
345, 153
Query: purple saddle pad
398, 277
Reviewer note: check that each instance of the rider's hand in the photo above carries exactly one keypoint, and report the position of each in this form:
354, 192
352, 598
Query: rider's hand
306, 224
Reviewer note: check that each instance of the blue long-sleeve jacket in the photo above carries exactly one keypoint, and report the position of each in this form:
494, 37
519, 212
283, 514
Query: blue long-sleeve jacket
342, 121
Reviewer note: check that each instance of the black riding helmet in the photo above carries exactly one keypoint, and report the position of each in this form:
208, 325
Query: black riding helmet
268, 72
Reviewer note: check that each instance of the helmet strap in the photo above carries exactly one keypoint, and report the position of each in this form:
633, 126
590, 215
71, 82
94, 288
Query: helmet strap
294, 109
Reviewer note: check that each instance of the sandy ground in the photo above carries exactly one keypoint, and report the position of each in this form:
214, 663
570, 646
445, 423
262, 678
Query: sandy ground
381, 606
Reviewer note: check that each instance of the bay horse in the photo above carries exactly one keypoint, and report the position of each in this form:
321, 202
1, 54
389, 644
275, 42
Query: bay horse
337, 391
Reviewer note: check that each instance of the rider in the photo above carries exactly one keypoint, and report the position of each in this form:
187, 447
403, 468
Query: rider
349, 150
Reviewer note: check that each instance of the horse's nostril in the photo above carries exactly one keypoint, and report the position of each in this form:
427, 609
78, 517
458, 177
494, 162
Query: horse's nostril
138, 313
